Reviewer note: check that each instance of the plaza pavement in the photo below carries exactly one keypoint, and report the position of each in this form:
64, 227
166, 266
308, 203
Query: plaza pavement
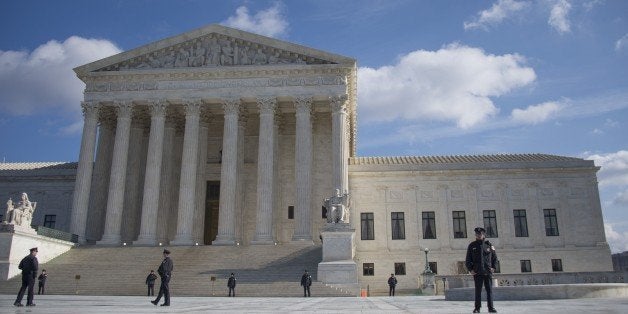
66, 304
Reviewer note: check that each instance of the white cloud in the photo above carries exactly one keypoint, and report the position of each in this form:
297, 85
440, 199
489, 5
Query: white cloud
270, 22
614, 171
501, 10
454, 83
621, 198
43, 79
558, 16
536, 113
618, 241
621, 43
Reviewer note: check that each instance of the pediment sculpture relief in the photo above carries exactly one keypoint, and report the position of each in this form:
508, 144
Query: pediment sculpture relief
213, 51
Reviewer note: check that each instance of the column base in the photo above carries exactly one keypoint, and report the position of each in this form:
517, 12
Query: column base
182, 241
145, 241
110, 239
263, 241
302, 238
224, 241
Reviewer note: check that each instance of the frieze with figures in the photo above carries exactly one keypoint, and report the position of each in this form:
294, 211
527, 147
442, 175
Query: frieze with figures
213, 51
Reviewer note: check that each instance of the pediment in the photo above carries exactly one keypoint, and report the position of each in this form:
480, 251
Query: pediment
213, 46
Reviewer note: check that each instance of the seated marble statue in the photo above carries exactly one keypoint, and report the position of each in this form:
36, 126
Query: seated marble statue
22, 215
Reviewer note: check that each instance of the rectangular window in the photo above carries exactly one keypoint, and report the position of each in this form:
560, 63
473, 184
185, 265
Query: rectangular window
398, 226
400, 269
490, 223
368, 269
429, 225
290, 212
462, 269
1, 217
433, 267
323, 212
497, 267
557, 264
551, 223
526, 266
367, 226
460, 224
49, 221
521, 223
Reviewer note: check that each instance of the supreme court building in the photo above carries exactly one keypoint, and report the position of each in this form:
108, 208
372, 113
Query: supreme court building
223, 137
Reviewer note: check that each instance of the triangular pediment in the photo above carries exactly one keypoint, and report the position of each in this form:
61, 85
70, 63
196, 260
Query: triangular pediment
213, 46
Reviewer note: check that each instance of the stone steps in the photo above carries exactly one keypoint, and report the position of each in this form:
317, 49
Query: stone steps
263, 271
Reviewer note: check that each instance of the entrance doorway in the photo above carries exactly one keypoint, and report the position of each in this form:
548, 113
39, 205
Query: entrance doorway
212, 205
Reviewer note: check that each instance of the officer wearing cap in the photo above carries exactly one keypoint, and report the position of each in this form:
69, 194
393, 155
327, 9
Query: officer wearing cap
29, 266
480, 261
165, 272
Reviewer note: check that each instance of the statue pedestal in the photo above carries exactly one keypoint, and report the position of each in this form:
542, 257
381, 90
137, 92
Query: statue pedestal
338, 267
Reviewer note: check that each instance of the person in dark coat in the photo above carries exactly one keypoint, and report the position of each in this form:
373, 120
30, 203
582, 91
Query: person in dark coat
231, 283
392, 283
150, 282
306, 282
29, 266
165, 272
481, 262
42, 282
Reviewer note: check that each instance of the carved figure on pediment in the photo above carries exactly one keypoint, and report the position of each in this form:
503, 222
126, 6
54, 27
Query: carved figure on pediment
260, 57
182, 58
226, 58
198, 56
274, 58
298, 60
245, 58
214, 52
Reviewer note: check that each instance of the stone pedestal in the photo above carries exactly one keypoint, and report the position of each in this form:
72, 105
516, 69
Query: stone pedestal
338, 266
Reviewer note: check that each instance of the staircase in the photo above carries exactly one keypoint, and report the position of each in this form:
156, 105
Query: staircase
268, 271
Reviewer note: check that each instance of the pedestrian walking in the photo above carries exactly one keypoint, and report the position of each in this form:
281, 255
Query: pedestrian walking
481, 260
42, 282
165, 273
306, 282
392, 283
231, 284
150, 282
29, 266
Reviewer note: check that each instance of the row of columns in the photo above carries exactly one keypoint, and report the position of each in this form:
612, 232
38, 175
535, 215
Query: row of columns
157, 170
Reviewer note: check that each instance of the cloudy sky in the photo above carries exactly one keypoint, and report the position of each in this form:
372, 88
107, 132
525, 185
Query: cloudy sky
435, 77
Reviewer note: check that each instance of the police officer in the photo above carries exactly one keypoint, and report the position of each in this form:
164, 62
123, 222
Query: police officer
165, 272
150, 282
306, 282
392, 283
29, 266
231, 284
481, 260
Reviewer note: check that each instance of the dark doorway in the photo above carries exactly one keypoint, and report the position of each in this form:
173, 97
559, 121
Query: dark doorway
212, 204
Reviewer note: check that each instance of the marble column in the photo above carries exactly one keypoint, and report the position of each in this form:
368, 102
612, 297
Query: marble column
201, 182
303, 169
265, 171
83, 183
340, 152
228, 175
166, 179
152, 179
117, 181
136, 163
187, 183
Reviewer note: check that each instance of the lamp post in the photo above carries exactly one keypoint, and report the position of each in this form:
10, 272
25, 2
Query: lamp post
427, 265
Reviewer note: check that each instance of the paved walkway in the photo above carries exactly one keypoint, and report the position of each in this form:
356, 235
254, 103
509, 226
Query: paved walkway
64, 304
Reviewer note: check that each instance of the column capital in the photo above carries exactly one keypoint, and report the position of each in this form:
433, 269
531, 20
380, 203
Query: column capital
338, 103
303, 104
192, 107
231, 106
123, 109
158, 108
90, 110
267, 105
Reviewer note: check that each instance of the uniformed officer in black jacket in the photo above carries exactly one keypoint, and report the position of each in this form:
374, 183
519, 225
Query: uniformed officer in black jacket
150, 282
231, 284
29, 266
481, 260
165, 272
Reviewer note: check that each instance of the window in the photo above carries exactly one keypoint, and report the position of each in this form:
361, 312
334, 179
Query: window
497, 267
460, 224
462, 269
49, 221
323, 212
368, 269
557, 265
368, 226
433, 267
521, 223
490, 223
400, 269
551, 224
398, 226
290, 212
429, 225
1, 217
526, 266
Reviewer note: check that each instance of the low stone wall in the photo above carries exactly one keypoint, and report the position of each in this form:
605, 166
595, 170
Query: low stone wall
547, 292
15, 245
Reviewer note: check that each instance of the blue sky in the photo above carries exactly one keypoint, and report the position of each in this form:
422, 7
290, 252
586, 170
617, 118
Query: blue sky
435, 77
